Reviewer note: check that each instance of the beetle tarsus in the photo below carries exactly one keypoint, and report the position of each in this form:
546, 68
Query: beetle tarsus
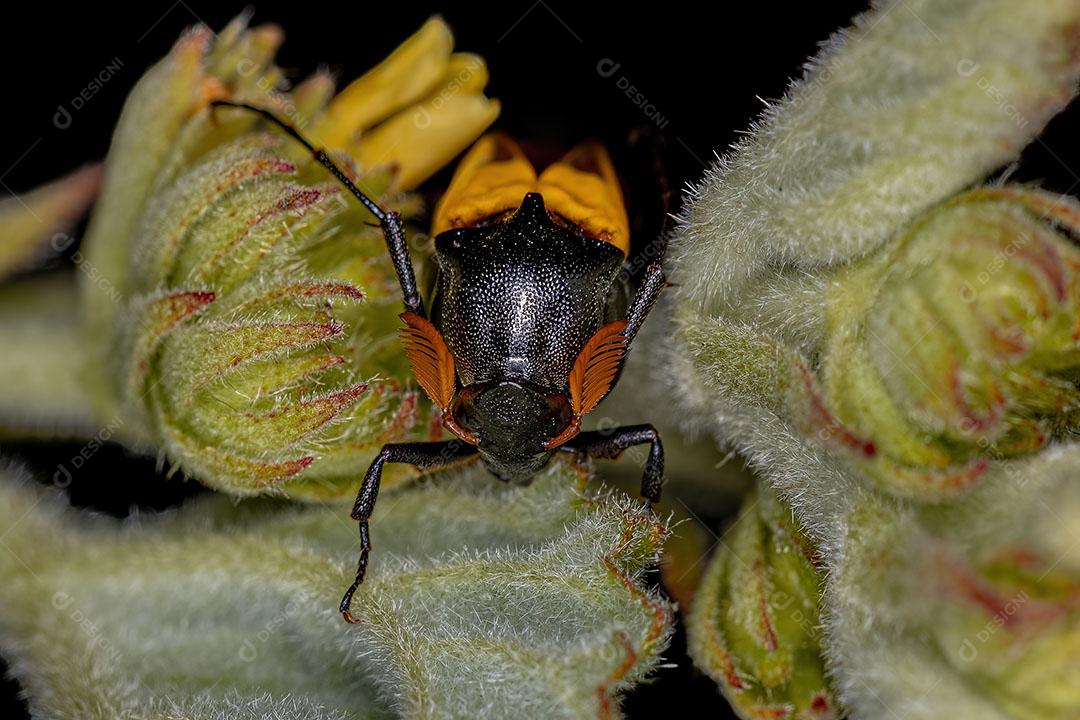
610, 444
361, 569
420, 454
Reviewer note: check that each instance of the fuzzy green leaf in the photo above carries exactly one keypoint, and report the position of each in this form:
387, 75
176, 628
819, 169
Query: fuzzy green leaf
897, 354
918, 100
482, 599
42, 390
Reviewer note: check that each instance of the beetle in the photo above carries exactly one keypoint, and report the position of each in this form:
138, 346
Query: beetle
518, 347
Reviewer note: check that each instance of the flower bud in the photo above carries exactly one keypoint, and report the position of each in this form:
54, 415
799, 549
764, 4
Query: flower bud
955, 348
251, 328
964, 609
755, 626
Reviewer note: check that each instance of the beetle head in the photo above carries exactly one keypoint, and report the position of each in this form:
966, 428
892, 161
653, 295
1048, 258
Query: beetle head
513, 421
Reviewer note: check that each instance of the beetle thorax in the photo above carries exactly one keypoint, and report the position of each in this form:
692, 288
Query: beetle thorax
521, 296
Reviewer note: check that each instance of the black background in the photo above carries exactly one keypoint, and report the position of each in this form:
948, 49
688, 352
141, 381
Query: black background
701, 70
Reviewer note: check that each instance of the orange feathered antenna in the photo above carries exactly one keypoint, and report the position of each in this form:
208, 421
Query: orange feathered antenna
596, 366
593, 375
432, 363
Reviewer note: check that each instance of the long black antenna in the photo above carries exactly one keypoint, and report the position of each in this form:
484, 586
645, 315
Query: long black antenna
390, 222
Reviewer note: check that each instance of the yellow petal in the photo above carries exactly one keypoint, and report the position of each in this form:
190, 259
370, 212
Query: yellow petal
26, 222
465, 73
407, 75
584, 189
492, 178
420, 142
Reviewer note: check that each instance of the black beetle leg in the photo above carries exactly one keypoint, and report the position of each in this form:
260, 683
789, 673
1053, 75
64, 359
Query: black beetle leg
420, 454
390, 222
646, 297
611, 443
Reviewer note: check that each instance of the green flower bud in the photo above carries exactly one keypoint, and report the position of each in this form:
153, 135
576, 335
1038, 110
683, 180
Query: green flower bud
1013, 630
836, 279
957, 346
244, 317
896, 354
969, 609
755, 624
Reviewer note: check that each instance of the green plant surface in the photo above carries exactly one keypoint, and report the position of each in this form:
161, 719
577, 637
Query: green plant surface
891, 342
755, 627
483, 600
33, 223
915, 102
964, 610
44, 349
238, 309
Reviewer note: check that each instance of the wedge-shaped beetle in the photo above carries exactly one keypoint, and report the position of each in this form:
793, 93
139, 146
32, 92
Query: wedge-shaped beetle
517, 349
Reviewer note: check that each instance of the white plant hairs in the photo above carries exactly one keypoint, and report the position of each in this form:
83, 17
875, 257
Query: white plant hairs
843, 199
486, 600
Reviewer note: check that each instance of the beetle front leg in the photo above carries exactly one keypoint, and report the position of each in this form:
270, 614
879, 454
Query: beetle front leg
390, 222
645, 299
420, 454
394, 233
611, 444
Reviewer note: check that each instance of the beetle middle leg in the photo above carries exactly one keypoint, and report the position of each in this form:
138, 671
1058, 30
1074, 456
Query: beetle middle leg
420, 454
610, 444
392, 228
